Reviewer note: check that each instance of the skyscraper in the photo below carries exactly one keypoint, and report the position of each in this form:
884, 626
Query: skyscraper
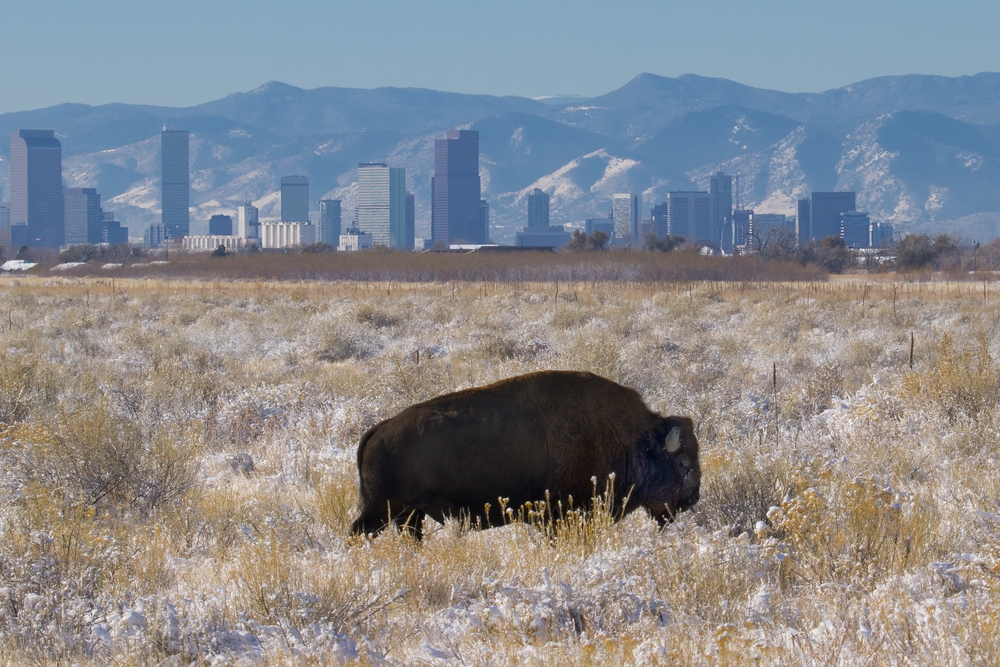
4, 224
456, 210
826, 210
411, 221
247, 221
720, 194
803, 221
658, 217
329, 221
295, 199
175, 182
538, 209
381, 205
484, 219
84, 217
689, 214
36, 196
627, 211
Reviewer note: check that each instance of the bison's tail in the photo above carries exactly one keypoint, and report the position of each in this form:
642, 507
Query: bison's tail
361, 459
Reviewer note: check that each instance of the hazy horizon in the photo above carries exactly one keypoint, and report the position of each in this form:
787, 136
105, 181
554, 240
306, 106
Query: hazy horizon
200, 52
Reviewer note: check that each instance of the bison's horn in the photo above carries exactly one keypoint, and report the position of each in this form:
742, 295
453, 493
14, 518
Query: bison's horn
673, 441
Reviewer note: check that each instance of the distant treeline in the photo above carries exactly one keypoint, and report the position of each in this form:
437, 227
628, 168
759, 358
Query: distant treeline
586, 259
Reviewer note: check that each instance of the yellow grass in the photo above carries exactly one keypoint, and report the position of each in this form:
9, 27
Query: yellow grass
850, 509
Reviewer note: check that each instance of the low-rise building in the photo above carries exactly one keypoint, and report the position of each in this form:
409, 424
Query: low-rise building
553, 237
354, 239
210, 242
286, 234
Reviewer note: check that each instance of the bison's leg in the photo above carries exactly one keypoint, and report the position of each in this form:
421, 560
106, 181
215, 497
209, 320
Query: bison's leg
411, 523
369, 523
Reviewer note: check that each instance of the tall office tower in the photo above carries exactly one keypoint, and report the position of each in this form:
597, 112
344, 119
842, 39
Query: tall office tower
175, 182
84, 218
720, 194
220, 225
741, 226
411, 221
689, 214
295, 199
381, 204
484, 219
538, 209
329, 221
36, 194
627, 212
803, 221
247, 221
826, 210
856, 229
659, 217
456, 211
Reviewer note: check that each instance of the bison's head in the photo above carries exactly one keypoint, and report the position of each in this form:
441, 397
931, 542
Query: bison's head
675, 479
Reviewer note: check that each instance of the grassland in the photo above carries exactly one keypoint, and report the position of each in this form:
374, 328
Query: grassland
177, 474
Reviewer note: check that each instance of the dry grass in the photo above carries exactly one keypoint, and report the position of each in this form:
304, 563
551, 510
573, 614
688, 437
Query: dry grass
850, 512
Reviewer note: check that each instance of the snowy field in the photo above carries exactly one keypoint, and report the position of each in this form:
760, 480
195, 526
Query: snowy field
177, 476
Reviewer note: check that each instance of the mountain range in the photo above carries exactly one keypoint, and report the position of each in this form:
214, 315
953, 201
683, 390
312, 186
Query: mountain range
922, 152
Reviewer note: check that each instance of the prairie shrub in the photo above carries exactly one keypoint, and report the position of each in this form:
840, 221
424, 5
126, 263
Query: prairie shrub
377, 316
857, 531
961, 382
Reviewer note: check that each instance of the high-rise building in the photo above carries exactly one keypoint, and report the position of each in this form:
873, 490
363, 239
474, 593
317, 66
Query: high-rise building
329, 221
484, 219
247, 221
803, 221
741, 226
220, 225
4, 225
605, 225
720, 194
689, 214
381, 204
84, 217
856, 229
456, 196
112, 230
627, 212
768, 228
36, 193
658, 215
411, 221
538, 209
883, 234
826, 210
295, 199
154, 236
175, 182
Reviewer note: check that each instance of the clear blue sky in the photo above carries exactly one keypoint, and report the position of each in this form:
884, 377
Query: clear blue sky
185, 52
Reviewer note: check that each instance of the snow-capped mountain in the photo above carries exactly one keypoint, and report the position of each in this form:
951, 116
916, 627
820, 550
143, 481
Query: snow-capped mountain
922, 152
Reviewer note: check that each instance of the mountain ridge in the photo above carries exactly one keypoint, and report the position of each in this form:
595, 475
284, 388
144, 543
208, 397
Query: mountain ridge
922, 151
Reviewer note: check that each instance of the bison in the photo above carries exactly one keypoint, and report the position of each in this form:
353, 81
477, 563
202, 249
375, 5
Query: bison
519, 439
